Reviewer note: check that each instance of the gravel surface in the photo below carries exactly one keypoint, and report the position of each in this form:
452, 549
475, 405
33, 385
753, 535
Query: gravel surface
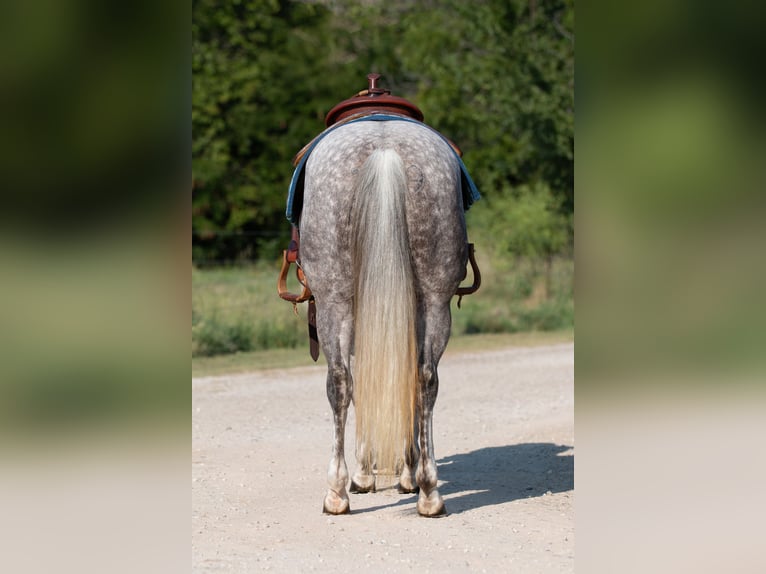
504, 442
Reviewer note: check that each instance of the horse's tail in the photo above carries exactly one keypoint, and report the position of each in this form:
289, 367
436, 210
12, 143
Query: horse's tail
385, 342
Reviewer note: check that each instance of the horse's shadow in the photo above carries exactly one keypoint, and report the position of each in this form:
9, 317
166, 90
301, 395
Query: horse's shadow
499, 474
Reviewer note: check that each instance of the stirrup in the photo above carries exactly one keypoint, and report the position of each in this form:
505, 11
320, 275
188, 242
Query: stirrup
282, 282
290, 255
469, 290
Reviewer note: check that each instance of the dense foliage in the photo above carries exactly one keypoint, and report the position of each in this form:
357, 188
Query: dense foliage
497, 77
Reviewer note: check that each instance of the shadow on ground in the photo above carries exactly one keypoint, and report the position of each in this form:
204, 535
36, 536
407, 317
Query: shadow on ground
499, 474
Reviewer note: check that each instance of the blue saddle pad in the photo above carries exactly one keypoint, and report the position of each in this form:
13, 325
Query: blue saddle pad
295, 196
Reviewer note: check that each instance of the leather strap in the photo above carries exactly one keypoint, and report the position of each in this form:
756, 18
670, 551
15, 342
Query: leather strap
313, 337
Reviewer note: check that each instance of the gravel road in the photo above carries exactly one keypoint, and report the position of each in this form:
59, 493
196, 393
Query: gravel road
504, 442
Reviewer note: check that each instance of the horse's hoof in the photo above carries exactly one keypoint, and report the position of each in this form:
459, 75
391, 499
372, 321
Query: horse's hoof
431, 506
342, 509
358, 489
407, 489
334, 504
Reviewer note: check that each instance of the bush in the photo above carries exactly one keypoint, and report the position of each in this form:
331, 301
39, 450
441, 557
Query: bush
547, 316
215, 337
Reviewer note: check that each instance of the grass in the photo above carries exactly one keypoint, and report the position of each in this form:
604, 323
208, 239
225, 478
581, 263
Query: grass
519, 295
237, 309
239, 323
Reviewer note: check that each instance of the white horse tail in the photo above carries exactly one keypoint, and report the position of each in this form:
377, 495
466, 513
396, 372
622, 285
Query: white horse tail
385, 339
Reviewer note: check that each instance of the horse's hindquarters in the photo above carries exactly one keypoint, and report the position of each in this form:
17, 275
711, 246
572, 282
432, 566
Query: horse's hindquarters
383, 250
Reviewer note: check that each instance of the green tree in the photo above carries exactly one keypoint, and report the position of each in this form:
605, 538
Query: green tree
530, 222
259, 93
498, 78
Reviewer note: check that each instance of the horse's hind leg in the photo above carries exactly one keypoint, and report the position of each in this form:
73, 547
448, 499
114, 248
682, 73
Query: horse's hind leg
363, 480
407, 483
436, 320
334, 327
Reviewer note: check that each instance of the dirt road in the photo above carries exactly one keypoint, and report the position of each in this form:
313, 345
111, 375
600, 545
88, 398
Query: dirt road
504, 442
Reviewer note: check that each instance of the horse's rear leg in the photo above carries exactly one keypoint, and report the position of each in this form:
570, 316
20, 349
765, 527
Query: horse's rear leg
436, 327
430, 502
407, 483
364, 477
334, 329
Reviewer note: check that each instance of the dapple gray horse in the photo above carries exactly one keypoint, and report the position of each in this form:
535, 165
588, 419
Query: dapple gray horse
383, 248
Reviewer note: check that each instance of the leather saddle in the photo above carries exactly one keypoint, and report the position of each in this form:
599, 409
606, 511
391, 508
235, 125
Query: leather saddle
372, 100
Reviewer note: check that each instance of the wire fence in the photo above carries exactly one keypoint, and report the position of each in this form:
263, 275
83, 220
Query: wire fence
212, 234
